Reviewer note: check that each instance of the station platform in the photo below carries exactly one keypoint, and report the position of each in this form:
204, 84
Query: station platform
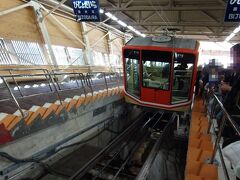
200, 147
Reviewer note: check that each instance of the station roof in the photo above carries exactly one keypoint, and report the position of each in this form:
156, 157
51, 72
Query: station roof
197, 19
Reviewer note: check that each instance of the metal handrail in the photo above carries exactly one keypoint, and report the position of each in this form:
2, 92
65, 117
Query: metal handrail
13, 97
49, 76
226, 118
230, 120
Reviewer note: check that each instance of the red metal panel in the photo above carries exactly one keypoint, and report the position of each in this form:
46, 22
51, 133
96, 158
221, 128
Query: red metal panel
5, 135
163, 97
148, 94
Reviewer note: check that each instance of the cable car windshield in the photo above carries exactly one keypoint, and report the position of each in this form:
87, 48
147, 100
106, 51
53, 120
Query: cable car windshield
182, 76
156, 69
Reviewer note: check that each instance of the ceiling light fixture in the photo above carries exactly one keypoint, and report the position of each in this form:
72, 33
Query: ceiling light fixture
110, 15
237, 30
122, 23
101, 11
131, 28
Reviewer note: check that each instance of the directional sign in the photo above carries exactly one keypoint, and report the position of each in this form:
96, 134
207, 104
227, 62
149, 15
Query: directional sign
86, 10
233, 11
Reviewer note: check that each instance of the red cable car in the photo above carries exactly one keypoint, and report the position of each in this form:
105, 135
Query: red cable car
160, 72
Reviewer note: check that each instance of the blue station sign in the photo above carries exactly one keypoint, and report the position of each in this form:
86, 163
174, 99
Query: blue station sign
233, 11
86, 10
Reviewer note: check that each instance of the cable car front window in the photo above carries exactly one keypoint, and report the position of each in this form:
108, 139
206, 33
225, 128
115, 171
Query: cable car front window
156, 69
182, 77
132, 72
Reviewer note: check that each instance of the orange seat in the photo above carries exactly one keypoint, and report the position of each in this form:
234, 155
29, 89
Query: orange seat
10, 121
80, 101
50, 109
33, 115
59, 109
88, 99
71, 104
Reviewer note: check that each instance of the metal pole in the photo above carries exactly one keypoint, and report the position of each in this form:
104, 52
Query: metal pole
89, 81
44, 71
82, 76
13, 97
54, 9
14, 9
65, 27
16, 84
223, 163
43, 29
56, 90
97, 41
57, 81
218, 139
75, 75
235, 127
95, 27
212, 114
105, 81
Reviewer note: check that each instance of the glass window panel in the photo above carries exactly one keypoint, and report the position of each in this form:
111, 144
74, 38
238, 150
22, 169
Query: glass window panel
156, 69
182, 76
156, 74
132, 68
76, 56
60, 54
4, 56
28, 52
98, 59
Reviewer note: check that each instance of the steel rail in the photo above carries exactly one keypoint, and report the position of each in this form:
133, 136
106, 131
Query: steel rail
137, 144
131, 137
81, 172
147, 165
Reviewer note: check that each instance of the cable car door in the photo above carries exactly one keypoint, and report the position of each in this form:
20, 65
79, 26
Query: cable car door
156, 68
132, 72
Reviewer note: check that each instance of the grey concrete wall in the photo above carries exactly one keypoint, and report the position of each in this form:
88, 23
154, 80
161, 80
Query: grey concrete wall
109, 108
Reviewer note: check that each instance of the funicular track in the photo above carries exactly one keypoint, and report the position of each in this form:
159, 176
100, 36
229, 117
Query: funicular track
126, 155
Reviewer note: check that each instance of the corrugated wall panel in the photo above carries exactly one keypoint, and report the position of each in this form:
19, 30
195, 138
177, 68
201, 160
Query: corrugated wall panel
19, 25
117, 45
94, 36
60, 37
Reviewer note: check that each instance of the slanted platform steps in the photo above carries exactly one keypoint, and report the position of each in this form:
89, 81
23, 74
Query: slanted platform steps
200, 147
14, 126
